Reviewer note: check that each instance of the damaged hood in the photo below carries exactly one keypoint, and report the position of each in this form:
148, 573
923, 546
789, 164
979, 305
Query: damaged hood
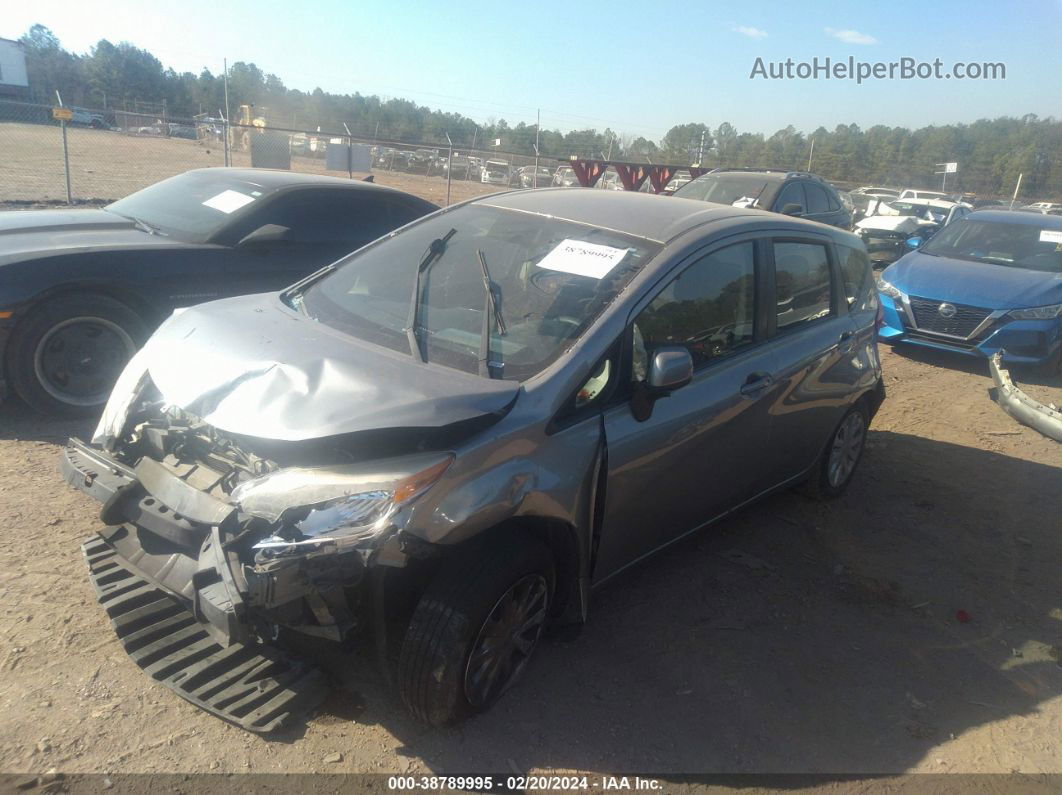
252, 366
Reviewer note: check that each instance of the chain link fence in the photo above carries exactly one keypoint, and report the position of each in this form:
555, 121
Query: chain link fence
104, 155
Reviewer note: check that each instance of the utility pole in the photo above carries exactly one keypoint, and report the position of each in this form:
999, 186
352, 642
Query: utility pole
66, 152
1017, 187
225, 118
449, 167
811, 154
538, 125
700, 152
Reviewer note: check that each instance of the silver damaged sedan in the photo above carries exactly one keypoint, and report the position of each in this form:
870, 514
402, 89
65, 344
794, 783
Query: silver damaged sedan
439, 445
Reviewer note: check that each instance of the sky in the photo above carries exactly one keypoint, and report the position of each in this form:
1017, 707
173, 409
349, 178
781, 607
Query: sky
636, 67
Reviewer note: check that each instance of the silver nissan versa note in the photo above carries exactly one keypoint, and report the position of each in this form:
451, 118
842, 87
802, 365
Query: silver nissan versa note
441, 443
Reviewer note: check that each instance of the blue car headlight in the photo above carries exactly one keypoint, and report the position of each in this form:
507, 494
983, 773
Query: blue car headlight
1049, 312
886, 288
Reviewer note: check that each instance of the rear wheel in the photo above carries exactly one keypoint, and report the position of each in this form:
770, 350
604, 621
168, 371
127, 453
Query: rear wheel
842, 455
67, 354
475, 628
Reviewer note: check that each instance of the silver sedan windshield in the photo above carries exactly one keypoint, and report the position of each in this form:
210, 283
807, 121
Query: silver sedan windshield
549, 279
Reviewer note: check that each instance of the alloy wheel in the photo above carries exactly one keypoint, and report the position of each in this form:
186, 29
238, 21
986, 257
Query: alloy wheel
847, 445
506, 639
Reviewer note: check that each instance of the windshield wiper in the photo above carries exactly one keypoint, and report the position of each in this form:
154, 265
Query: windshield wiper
144, 226
435, 250
491, 307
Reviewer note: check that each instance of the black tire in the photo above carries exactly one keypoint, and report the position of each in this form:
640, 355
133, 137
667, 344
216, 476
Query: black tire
436, 680
45, 341
825, 482
1052, 366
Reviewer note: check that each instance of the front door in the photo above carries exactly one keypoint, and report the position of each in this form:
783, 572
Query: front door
702, 449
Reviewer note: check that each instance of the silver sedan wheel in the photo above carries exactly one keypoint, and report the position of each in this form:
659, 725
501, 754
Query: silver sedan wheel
847, 445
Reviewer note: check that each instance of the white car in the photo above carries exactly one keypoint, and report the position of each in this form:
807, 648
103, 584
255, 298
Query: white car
496, 172
911, 193
888, 225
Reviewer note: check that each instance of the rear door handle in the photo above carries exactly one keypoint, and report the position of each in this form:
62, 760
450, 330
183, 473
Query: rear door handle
755, 384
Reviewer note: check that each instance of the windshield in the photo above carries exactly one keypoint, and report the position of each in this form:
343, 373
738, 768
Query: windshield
551, 278
192, 206
726, 188
503, 167
924, 211
1017, 245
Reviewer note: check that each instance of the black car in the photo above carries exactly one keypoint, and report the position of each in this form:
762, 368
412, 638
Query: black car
80, 290
795, 193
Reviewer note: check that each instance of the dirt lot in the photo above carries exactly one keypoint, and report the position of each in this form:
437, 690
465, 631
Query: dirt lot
110, 165
837, 650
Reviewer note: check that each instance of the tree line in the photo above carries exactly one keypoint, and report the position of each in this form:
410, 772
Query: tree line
991, 153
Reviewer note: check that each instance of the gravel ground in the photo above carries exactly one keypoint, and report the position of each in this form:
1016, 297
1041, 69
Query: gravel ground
835, 648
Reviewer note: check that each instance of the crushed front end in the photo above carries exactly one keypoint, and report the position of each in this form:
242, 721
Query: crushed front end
215, 544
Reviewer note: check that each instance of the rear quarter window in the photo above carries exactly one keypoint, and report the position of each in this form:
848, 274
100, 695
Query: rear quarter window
860, 292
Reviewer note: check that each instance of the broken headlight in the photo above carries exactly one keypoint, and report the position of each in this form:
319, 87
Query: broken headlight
337, 505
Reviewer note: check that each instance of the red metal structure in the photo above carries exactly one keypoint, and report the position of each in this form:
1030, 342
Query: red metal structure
632, 175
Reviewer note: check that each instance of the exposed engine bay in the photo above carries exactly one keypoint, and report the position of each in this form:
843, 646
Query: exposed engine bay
244, 529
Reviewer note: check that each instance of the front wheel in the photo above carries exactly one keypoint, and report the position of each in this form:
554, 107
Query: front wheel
475, 628
66, 356
842, 455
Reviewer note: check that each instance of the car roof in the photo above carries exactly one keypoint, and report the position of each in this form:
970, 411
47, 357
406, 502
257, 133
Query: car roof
656, 218
276, 179
1011, 217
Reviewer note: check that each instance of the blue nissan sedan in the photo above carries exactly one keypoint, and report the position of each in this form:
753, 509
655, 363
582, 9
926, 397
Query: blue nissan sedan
988, 282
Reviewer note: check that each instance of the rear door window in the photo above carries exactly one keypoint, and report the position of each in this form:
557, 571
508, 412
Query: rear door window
803, 287
817, 202
792, 193
860, 292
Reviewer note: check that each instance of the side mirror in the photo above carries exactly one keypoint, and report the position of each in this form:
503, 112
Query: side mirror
913, 242
265, 235
793, 209
671, 367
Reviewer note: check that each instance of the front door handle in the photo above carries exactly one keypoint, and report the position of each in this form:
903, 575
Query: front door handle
755, 384
846, 342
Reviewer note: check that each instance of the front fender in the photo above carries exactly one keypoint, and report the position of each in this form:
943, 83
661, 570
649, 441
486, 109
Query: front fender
552, 477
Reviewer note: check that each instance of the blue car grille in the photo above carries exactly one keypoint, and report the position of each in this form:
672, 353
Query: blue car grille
962, 324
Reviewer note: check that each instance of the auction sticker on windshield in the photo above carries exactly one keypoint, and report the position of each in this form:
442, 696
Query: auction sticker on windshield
1051, 235
228, 201
582, 259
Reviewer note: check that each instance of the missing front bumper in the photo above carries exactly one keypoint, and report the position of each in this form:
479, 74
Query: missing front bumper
256, 687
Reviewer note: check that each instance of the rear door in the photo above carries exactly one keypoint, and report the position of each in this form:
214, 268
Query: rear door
703, 448
815, 343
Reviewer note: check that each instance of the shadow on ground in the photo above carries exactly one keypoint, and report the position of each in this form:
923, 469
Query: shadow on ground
844, 653
975, 365
19, 422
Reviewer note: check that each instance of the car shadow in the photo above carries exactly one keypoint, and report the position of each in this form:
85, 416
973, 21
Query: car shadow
974, 365
850, 637
20, 422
